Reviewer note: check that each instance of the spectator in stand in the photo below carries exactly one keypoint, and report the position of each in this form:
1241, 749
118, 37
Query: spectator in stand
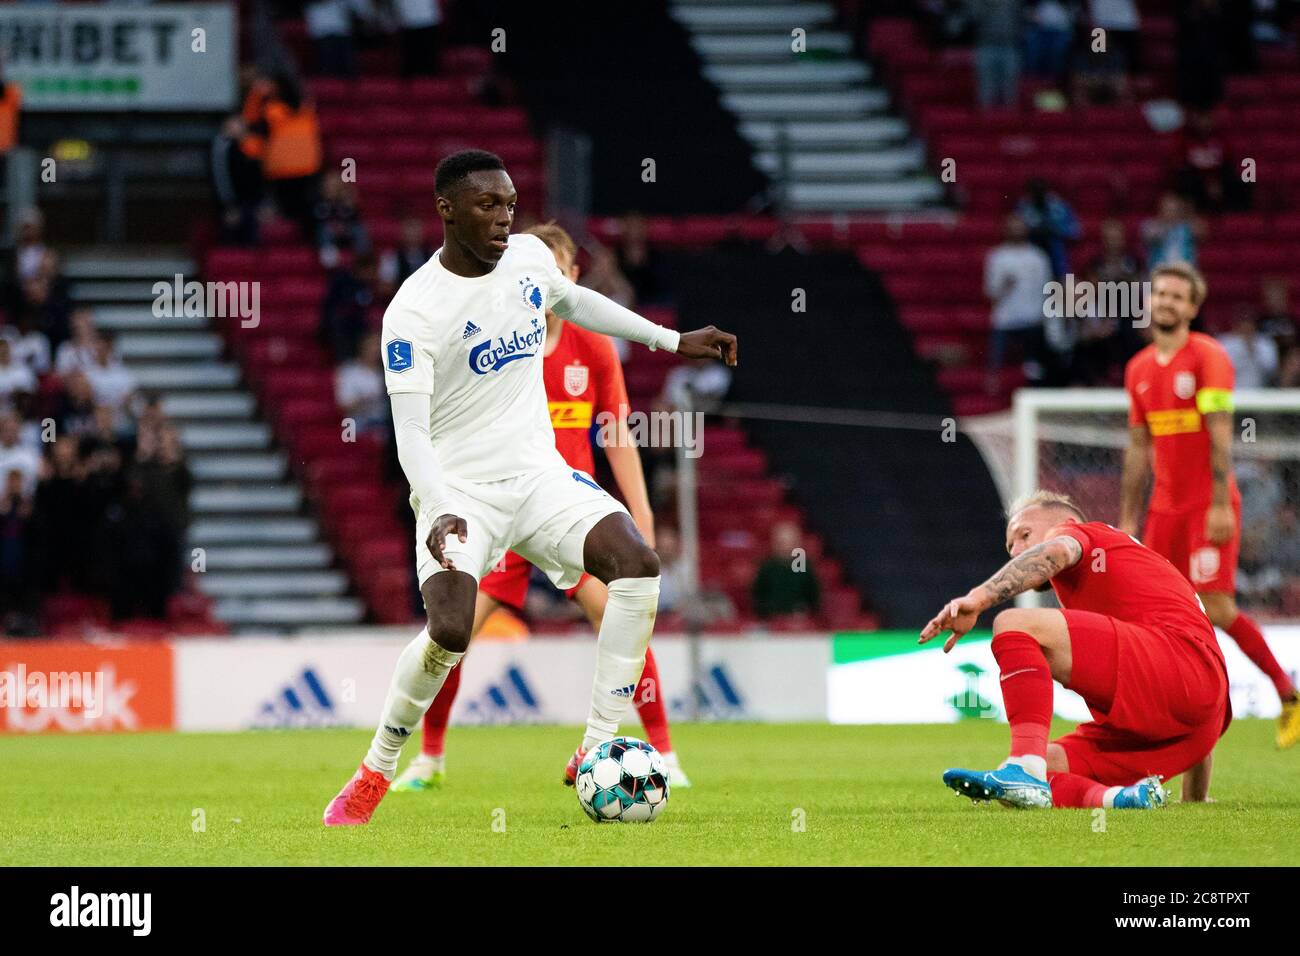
11, 101
672, 572
1289, 376
77, 353
237, 182
359, 387
44, 295
637, 259
166, 481
15, 455
1200, 42
16, 378
62, 514
1286, 545
109, 428
1016, 274
1172, 234
604, 275
1206, 178
1275, 316
697, 384
418, 24
338, 222
348, 298
786, 582
76, 410
329, 24
31, 251
1254, 356
1051, 222
292, 156
948, 22
397, 265
998, 25
111, 381
151, 423
1107, 341
1048, 39
16, 538
1122, 23
710, 605
29, 346
142, 572
1098, 71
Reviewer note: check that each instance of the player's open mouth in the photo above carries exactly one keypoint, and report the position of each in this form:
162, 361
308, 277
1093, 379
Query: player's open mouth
499, 242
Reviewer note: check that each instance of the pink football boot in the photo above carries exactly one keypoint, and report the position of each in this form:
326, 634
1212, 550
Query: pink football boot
357, 800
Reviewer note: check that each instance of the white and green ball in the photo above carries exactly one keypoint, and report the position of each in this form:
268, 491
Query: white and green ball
622, 780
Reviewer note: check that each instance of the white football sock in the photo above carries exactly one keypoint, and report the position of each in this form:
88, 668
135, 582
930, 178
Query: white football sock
1108, 798
620, 654
419, 675
1034, 766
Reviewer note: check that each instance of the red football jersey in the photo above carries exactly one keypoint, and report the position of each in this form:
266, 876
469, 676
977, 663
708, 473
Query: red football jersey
1171, 401
583, 379
1122, 579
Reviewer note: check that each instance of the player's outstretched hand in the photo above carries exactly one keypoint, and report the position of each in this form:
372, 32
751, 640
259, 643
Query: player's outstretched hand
708, 342
958, 615
445, 525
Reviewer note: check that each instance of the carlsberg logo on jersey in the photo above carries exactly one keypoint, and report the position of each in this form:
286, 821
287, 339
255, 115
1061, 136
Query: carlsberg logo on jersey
491, 355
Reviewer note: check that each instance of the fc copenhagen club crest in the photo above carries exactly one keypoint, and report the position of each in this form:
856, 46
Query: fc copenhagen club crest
575, 379
531, 292
1184, 384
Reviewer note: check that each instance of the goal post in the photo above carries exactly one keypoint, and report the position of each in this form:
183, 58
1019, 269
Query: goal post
1073, 441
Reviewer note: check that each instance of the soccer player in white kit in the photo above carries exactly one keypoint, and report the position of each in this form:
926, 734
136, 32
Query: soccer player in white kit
463, 345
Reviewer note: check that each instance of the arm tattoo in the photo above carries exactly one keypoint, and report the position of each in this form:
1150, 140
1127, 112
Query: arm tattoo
1034, 568
1220, 455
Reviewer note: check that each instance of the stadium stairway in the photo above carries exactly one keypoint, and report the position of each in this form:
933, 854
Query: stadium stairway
879, 513
265, 565
845, 151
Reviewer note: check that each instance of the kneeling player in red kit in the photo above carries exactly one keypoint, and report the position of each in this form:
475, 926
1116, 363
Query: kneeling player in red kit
1131, 638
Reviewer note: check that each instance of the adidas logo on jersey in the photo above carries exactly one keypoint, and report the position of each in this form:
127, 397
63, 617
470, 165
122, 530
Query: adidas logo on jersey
470, 330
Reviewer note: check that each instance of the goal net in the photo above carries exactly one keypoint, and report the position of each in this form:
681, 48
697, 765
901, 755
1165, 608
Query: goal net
1073, 440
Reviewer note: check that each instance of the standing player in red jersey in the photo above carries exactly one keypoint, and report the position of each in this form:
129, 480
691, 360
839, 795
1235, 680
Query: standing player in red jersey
584, 380
1180, 427
1131, 638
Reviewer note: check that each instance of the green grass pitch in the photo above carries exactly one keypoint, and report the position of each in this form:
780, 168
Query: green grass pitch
864, 795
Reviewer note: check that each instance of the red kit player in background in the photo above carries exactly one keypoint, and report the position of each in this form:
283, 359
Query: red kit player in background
1130, 637
584, 379
1180, 427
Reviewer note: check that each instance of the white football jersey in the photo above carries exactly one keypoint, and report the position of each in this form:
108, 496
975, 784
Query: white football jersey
475, 345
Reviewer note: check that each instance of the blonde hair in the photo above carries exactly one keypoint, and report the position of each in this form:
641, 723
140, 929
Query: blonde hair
1187, 272
555, 237
1042, 498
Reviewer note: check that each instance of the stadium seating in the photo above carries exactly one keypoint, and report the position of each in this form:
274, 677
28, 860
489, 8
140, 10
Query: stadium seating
935, 270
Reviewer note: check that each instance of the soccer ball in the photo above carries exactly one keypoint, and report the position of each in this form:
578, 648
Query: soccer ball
623, 779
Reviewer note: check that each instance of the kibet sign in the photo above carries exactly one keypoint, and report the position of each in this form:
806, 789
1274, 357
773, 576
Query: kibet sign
157, 57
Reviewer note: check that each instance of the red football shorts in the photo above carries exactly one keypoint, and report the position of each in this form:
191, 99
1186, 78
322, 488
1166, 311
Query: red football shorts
1159, 700
507, 582
1181, 539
